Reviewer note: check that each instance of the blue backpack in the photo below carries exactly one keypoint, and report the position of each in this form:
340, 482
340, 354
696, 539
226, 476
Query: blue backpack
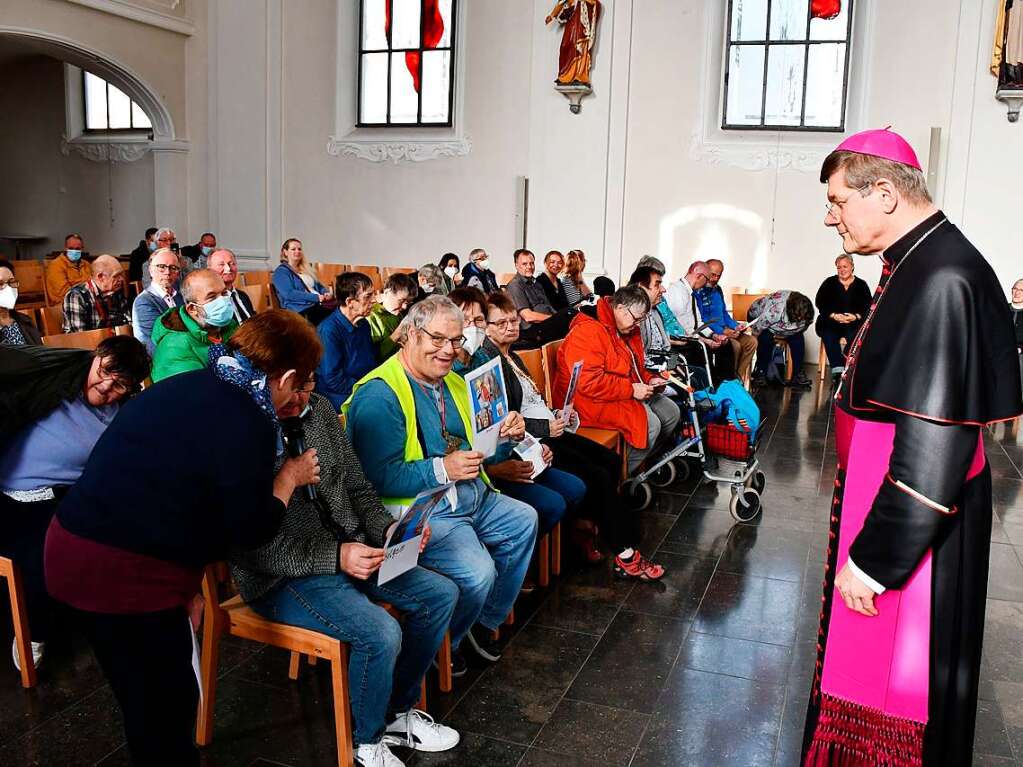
734, 403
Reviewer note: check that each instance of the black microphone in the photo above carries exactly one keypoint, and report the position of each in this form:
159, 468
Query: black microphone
295, 437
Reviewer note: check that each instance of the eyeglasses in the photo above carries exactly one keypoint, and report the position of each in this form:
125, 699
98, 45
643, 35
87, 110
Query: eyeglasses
439, 341
478, 322
308, 386
167, 268
118, 385
13, 283
637, 319
504, 324
836, 207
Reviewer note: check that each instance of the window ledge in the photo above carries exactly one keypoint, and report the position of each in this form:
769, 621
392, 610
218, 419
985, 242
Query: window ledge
107, 147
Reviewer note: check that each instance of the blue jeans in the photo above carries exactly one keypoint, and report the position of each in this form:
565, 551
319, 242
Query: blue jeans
484, 546
830, 336
765, 349
553, 494
387, 660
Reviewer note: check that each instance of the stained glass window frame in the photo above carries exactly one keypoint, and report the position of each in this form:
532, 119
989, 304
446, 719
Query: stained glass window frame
390, 50
766, 44
132, 104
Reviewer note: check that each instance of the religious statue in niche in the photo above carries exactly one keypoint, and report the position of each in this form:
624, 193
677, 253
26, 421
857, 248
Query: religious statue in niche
1007, 56
580, 19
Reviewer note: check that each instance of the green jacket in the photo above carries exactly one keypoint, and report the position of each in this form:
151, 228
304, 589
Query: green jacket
181, 345
381, 324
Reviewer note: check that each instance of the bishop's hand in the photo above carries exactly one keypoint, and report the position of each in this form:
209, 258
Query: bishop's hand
857, 595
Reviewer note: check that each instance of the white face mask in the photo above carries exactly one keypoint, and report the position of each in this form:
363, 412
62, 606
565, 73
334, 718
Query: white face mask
473, 339
484, 264
8, 297
427, 288
451, 271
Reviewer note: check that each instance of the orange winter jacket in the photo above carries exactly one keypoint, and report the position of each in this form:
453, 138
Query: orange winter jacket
611, 365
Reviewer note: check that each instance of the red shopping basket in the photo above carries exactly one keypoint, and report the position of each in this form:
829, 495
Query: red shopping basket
728, 442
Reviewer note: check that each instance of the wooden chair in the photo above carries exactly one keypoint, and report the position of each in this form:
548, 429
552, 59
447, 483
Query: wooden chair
275, 301
504, 278
86, 339
327, 273
259, 295
123, 330
233, 617
609, 438
256, 277
822, 360
373, 272
389, 270
32, 276
51, 319
19, 614
741, 303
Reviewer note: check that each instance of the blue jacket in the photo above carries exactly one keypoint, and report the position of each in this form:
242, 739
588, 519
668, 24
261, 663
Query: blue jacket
713, 310
292, 292
145, 312
348, 354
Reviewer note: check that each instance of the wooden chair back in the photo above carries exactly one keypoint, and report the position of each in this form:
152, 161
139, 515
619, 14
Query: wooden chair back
389, 270
327, 273
19, 614
275, 301
505, 277
51, 319
86, 339
741, 302
32, 276
533, 359
373, 272
123, 330
259, 295
256, 277
549, 360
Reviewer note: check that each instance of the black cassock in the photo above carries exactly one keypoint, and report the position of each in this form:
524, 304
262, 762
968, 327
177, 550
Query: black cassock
935, 361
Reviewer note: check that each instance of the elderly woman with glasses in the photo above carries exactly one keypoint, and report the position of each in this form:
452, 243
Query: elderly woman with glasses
16, 329
56, 403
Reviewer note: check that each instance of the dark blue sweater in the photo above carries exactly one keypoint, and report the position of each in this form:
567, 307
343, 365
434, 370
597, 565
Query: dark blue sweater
184, 474
348, 354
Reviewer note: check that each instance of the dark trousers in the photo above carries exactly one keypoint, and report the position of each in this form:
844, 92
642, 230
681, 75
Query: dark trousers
147, 659
316, 314
599, 468
765, 349
830, 337
722, 363
551, 329
22, 535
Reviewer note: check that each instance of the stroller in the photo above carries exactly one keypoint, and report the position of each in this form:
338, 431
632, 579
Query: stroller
724, 452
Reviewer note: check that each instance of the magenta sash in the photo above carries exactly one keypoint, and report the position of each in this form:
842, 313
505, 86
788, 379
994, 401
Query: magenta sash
882, 663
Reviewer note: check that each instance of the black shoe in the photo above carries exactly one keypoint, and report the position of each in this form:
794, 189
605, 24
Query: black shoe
479, 639
458, 664
759, 380
800, 381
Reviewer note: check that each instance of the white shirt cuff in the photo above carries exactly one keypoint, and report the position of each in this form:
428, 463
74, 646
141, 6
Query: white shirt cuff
873, 585
439, 471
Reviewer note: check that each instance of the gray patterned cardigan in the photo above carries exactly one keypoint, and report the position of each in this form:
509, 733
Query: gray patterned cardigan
302, 546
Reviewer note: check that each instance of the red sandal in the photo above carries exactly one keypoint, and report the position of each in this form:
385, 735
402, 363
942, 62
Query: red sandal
637, 566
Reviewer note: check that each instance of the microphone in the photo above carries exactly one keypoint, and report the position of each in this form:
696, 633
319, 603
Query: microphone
295, 437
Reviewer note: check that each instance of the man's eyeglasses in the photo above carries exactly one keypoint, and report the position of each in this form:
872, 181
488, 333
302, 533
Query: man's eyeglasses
439, 341
13, 283
167, 268
836, 207
637, 319
504, 324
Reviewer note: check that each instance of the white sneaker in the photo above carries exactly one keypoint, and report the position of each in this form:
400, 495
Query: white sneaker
37, 653
376, 755
418, 731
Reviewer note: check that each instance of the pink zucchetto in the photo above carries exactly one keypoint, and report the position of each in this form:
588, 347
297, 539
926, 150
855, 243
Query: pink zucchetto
884, 143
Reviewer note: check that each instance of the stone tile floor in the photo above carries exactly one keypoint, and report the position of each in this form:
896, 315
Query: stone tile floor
710, 667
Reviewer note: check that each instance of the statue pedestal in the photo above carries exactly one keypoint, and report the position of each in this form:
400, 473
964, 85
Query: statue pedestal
574, 93
1013, 97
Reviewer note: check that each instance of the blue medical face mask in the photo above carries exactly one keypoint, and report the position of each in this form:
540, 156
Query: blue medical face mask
206, 250
219, 312
74, 255
152, 246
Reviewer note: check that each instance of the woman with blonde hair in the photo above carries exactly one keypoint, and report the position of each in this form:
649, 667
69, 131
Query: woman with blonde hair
297, 288
576, 289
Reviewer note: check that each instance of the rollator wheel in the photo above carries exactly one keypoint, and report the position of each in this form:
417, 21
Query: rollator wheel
757, 481
745, 504
682, 469
639, 495
664, 476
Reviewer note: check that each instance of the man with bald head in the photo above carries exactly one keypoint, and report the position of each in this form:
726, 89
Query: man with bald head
99, 302
681, 299
711, 301
161, 294
223, 262
183, 336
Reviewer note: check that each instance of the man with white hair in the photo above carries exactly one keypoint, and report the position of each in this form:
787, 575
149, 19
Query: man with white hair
100, 301
161, 295
223, 262
165, 238
410, 423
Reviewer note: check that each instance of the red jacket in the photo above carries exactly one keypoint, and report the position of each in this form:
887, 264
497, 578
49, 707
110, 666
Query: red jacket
603, 396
